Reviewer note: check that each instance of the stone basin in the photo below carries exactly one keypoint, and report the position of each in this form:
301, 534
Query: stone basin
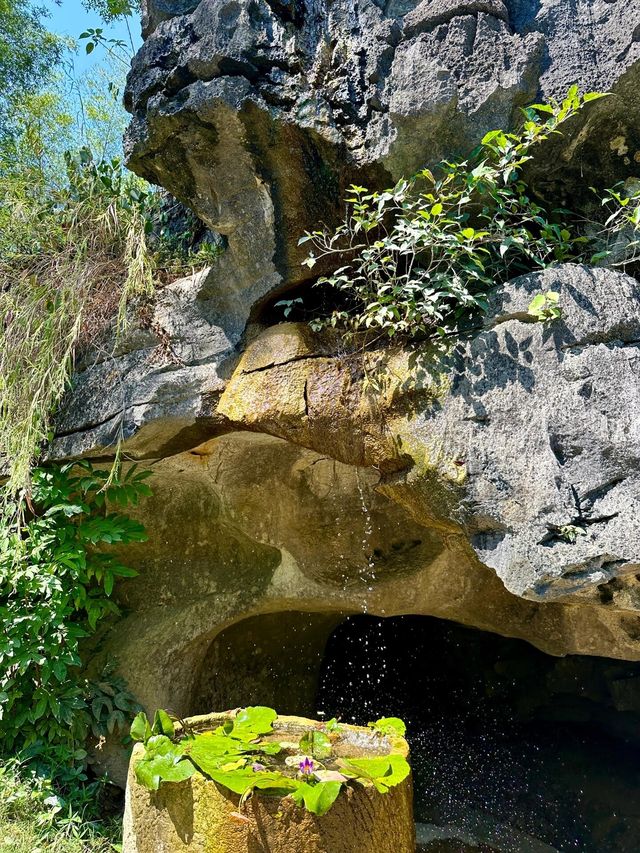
199, 816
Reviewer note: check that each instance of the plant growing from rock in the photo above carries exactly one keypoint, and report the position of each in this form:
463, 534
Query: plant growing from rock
70, 259
243, 756
420, 258
74, 255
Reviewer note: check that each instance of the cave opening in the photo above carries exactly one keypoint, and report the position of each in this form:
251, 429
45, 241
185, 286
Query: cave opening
301, 303
512, 749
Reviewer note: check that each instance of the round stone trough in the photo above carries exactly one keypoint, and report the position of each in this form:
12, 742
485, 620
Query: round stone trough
200, 816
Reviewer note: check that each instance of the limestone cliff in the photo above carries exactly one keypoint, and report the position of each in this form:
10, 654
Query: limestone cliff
285, 481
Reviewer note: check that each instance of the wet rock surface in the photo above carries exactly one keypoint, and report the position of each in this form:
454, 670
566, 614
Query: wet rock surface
524, 438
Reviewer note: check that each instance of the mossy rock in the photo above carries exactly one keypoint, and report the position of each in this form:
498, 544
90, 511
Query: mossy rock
200, 816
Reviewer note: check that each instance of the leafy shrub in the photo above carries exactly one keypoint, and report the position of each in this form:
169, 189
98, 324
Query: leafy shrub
237, 756
617, 239
419, 258
57, 573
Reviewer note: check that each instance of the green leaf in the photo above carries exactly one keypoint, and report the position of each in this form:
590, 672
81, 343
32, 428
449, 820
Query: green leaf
163, 768
242, 781
384, 772
257, 720
390, 726
267, 748
542, 108
140, 728
316, 744
317, 798
489, 137
162, 724
536, 304
162, 745
210, 750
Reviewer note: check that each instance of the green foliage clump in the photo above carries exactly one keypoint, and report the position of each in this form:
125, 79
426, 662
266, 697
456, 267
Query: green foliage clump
420, 258
27, 53
390, 726
238, 756
57, 574
617, 239
34, 818
111, 10
545, 306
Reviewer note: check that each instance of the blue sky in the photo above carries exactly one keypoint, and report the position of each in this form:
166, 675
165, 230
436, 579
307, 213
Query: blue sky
70, 18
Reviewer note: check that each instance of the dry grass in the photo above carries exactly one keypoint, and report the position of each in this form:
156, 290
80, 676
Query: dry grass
69, 266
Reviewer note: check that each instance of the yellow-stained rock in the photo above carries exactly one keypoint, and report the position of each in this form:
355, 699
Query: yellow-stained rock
308, 389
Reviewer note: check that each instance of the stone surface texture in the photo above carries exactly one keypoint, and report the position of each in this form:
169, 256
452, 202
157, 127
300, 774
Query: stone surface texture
198, 815
258, 114
493, 481
520, 432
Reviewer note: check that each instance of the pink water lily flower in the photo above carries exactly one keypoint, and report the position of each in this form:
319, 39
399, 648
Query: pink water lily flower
307, 766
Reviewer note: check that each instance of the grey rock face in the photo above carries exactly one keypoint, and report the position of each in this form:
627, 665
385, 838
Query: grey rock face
157, 391
525, 439
258, 115
503, 480
512, 465
394, 84
547, 421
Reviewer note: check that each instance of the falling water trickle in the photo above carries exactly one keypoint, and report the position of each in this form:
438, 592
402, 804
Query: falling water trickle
368, 570
372, 653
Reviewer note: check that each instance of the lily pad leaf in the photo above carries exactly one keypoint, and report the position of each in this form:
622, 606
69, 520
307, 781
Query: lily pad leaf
162, 745
163, 768
267, 748
317, 798
242, 781
210, 751
384, 772
257, 720
393, 726
316, 743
